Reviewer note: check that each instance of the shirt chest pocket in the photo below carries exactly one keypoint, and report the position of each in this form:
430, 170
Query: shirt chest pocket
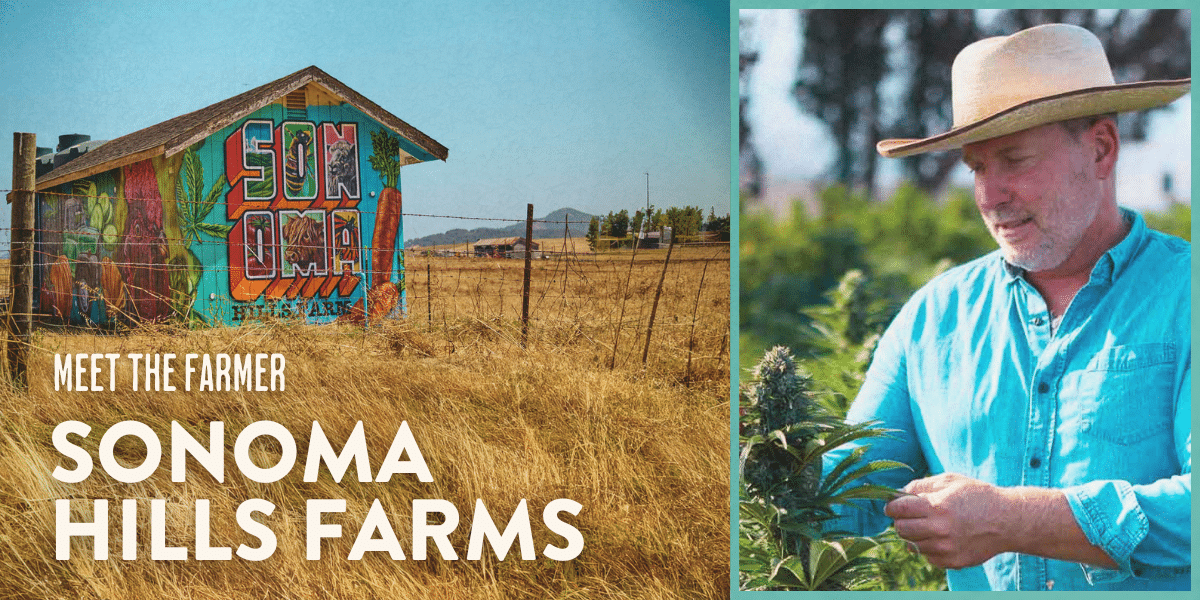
1124, 396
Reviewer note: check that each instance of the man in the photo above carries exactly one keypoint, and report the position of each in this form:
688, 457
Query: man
1041, 393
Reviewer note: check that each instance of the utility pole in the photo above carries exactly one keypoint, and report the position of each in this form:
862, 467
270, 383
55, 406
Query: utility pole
646, 220
647, 193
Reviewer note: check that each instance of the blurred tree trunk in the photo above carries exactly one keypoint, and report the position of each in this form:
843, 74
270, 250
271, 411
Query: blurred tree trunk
749, 166
839, 79
934, 38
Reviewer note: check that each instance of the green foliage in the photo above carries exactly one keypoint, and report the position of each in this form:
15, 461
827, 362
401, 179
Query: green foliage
720, 225
900, 569
1176, 220
264, 187
897, 244
785, 498
593, 233
829, 285
685, 221
193, 206
100, 214
849, 327
385, 153
618, 224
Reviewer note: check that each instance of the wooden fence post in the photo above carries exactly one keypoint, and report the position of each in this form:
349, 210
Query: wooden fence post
654, 307
528, 271
429, 285
624, 294
687, 377
21, 256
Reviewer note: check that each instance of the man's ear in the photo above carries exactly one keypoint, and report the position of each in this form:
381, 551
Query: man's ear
1107, 145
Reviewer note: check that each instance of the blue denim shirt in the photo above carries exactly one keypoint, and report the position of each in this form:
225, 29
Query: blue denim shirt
976, 382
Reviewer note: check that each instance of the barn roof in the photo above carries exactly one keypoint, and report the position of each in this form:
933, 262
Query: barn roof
174, 135
506, 241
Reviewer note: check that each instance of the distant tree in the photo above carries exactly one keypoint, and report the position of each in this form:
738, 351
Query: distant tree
636, 224
685, 221
619, 224
749, 165
719, 225
593, 233
658, 221
934, 38
845, 59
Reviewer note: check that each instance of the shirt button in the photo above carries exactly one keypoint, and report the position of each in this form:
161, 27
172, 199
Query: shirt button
1043, 387
1035, 462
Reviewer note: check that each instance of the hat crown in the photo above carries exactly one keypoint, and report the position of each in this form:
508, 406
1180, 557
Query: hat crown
998, 73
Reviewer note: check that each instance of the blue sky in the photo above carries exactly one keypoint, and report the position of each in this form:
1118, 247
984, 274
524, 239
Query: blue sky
555, 103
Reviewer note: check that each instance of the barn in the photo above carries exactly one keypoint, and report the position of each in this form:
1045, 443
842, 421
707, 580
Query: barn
281, 201
503, 247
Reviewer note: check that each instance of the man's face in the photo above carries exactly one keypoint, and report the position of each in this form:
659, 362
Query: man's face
1035, 192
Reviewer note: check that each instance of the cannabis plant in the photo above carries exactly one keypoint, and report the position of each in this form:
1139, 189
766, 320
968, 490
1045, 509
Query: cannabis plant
786, 499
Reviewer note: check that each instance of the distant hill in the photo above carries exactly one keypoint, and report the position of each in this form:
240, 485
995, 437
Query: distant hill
554, 229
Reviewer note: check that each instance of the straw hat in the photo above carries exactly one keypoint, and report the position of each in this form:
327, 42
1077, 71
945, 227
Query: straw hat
1040, 75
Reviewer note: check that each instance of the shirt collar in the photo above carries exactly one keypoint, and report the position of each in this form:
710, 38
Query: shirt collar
1113, 262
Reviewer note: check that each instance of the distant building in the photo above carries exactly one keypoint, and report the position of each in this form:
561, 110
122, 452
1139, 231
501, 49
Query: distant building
505, 247
654, 239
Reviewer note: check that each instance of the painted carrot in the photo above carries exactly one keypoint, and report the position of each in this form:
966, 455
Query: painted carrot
385, 159
60, 286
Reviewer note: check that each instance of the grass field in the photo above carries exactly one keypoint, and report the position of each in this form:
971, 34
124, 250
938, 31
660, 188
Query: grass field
576, 245
643, 448
594, 302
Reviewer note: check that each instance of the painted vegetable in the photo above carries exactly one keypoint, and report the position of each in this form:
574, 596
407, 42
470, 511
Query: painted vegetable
142, 253
385, 152
113, 287
59, 288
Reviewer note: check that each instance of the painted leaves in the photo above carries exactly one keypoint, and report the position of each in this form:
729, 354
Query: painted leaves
384, 158
194, 206
101, 217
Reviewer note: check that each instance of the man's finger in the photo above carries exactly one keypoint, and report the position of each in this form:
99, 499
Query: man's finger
908, 507
926, 484
916, 530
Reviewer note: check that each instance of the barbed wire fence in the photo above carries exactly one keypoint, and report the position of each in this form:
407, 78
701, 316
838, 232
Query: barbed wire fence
608, 300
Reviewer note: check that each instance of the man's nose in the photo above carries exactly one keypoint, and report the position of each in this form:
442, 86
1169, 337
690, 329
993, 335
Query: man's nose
992, 190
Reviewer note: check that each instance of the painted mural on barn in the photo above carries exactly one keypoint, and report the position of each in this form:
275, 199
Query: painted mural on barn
287, 212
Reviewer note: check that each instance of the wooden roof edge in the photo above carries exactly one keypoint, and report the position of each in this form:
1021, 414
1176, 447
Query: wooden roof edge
201, 131
116, 163
381, 114
254, 99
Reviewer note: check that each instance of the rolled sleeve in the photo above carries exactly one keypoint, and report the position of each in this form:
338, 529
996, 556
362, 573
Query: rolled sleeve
1110, 517
1145, 529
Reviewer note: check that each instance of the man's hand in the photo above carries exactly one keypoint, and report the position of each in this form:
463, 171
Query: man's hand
955, 521
958, 522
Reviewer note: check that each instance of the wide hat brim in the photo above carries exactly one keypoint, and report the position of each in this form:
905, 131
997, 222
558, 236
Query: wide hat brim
1074, 104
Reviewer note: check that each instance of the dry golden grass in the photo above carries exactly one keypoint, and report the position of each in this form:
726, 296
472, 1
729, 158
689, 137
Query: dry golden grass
594, 302
5, 278
644, 450
577, 245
